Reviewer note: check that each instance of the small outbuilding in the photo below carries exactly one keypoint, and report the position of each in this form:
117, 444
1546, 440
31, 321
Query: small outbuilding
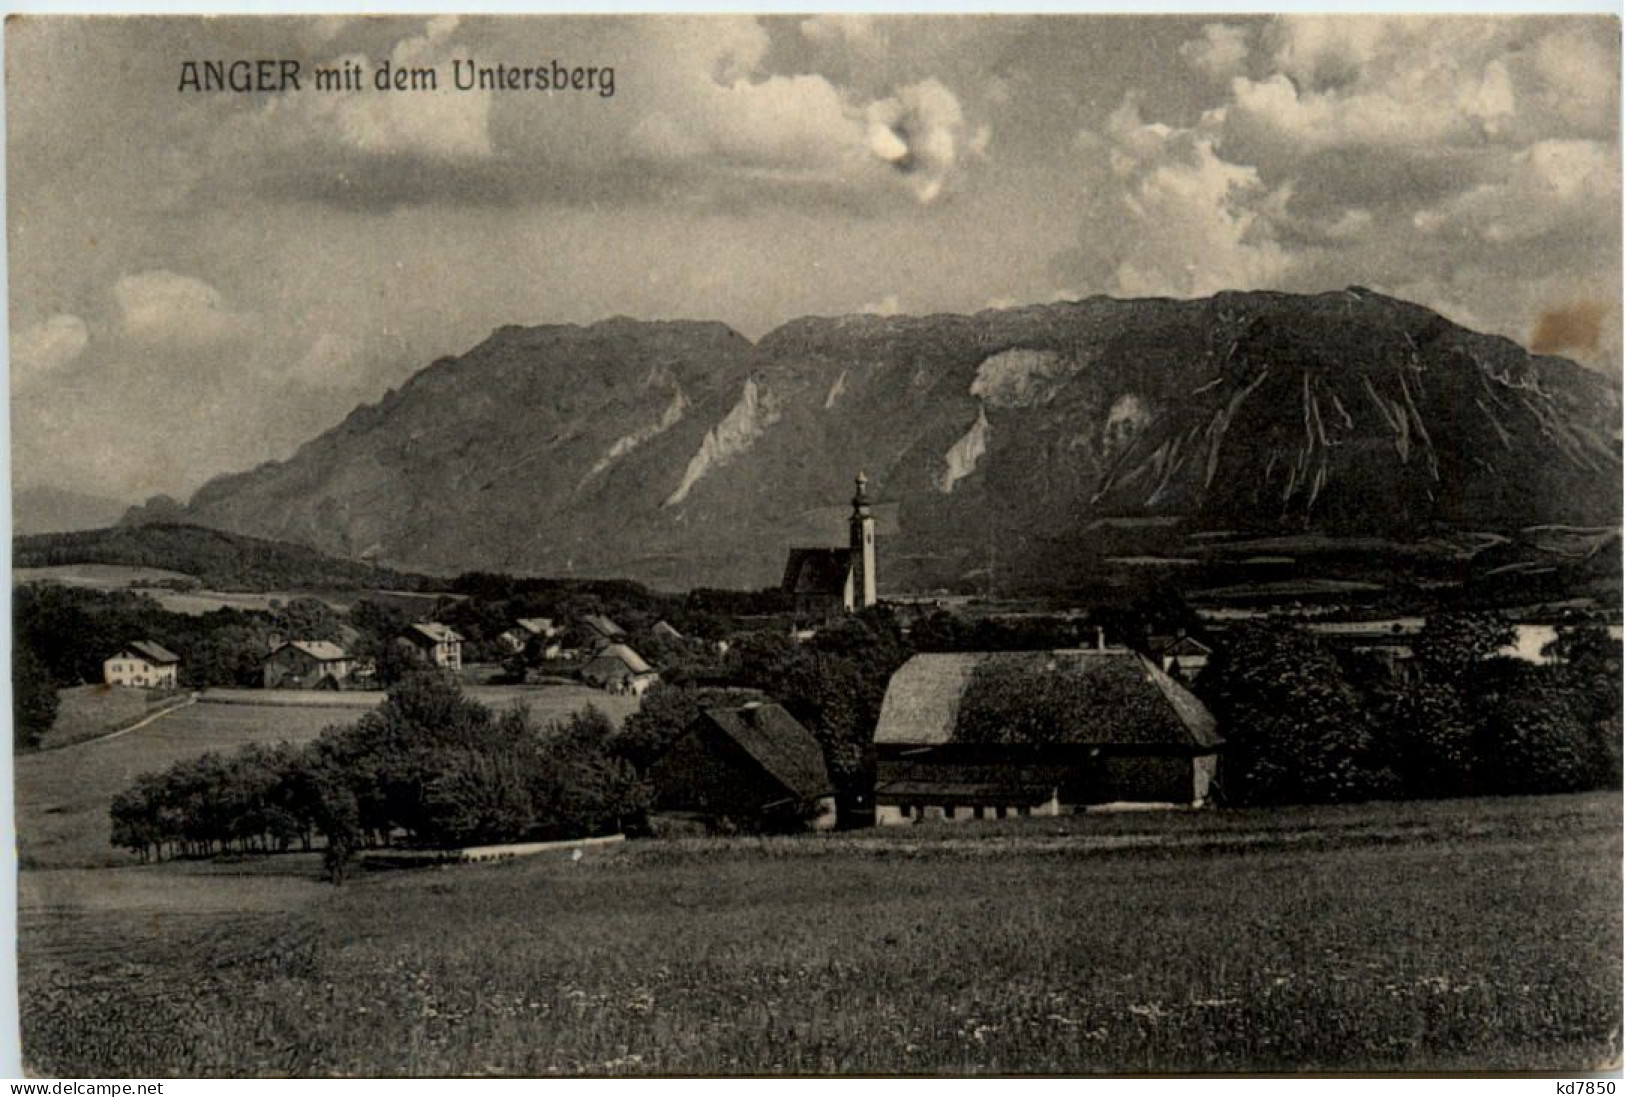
754, 767
143, 664
308, 664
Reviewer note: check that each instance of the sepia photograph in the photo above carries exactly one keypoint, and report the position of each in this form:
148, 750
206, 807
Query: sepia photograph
888, 545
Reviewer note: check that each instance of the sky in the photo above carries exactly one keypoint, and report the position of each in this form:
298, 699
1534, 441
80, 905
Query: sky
201, 281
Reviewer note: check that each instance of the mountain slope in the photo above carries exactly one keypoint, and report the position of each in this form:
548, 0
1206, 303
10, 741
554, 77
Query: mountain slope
680, 454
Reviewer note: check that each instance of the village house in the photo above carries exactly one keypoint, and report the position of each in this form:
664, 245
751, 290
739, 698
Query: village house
1180, 655
824, 582
1131, 737
307, 664
619, 669
143, 664
538, 626
514, 640
437, 643
753, 767
598, 631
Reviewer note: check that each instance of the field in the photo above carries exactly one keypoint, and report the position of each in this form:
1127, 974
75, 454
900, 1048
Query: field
87, 712
1470, 935
62, 795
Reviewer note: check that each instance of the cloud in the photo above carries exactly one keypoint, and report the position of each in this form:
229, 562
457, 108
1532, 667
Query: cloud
1173, 217
46, 347
704, 107
162, 307
329, 363
443, 124
853, 33
1542, 190
888, 305
919, 132
1220, 53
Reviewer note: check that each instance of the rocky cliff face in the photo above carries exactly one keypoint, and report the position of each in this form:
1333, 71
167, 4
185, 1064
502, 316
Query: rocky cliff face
680, 454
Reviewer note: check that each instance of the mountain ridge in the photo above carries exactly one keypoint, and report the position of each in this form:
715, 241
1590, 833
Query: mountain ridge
681, 453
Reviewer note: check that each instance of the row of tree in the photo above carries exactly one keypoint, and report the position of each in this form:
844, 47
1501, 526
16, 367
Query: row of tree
428, 767
1304, 723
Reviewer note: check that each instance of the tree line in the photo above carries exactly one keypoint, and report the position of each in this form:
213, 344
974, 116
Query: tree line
428, 767
1304, 723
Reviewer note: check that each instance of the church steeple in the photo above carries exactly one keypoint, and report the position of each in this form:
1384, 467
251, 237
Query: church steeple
861, 527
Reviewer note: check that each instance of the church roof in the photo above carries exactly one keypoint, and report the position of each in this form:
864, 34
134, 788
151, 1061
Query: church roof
817, 570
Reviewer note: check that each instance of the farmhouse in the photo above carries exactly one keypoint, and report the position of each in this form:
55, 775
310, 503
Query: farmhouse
142, 663
437, 643
619, 669
823, 582
753, 766
307, 664
975, 735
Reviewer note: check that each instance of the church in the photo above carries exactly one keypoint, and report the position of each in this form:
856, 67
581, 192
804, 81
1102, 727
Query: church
824, 582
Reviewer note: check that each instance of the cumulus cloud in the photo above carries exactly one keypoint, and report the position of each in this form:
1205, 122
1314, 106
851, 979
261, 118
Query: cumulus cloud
1542, 190
46, 347
704, 107
162, 307
1175, 217
1471, 164
441, 124
327, 364
1221, 52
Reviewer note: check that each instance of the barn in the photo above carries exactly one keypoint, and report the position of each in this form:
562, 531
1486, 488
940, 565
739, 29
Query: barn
307, 664
973, 735
754, 766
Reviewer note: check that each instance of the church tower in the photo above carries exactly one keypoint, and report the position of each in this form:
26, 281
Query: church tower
862, 533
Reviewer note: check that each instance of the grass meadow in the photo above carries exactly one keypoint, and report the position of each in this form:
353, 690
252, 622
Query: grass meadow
1472, 935
62, 796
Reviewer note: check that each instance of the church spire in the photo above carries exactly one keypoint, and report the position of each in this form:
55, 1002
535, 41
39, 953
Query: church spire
861, 527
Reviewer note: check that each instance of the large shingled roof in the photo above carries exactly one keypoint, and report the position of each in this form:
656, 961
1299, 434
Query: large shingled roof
924, 696
780, 745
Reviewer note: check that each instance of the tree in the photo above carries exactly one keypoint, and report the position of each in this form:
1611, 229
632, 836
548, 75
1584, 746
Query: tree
34, 699
1293, 727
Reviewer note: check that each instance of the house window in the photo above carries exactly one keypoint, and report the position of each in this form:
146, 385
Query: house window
1001, 811
947, 811
978, 812
907, 810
